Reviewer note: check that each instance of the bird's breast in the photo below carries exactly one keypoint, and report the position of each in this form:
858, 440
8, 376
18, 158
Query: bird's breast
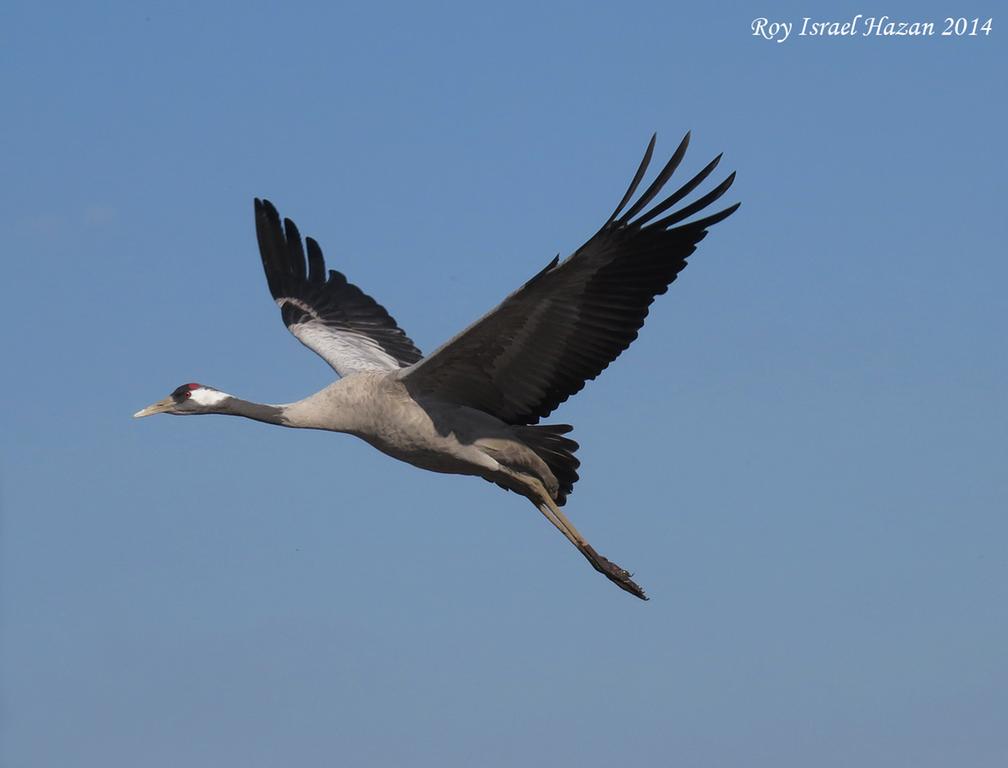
434, 436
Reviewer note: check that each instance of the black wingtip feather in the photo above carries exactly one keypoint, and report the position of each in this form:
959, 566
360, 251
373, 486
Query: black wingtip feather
295, 251
684, 213
680, 193
316, 262
641, 170
271, 245
713, 219
660, 180
266, 207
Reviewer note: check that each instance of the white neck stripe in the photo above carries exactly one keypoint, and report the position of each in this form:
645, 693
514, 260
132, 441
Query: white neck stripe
208, 397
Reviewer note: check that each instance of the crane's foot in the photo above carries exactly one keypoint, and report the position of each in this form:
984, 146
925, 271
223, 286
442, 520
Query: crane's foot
619, 576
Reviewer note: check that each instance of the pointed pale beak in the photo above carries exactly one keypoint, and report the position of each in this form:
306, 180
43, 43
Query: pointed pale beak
159, 407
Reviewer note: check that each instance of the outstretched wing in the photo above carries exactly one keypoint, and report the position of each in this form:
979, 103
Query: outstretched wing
336, 319
565, 325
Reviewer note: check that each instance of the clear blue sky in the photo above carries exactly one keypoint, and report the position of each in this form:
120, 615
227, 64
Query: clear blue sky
803, 458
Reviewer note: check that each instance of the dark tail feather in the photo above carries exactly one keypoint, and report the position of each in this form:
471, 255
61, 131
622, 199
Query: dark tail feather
549, 443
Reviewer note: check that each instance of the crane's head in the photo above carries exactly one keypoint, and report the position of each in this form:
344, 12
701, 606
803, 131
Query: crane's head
186, 400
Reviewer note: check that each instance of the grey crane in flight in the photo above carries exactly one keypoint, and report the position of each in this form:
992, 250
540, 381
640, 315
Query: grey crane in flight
472, 407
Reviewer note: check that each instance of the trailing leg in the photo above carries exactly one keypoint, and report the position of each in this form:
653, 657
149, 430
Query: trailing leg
606, 567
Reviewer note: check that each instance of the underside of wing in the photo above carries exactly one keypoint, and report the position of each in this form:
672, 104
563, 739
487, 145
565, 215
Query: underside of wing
332, 317
565, 325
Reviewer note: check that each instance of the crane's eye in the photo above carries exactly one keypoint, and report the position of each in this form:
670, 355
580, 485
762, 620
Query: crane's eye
183, 393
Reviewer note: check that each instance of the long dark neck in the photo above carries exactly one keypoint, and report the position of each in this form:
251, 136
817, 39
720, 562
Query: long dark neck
270, 414
333, 408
